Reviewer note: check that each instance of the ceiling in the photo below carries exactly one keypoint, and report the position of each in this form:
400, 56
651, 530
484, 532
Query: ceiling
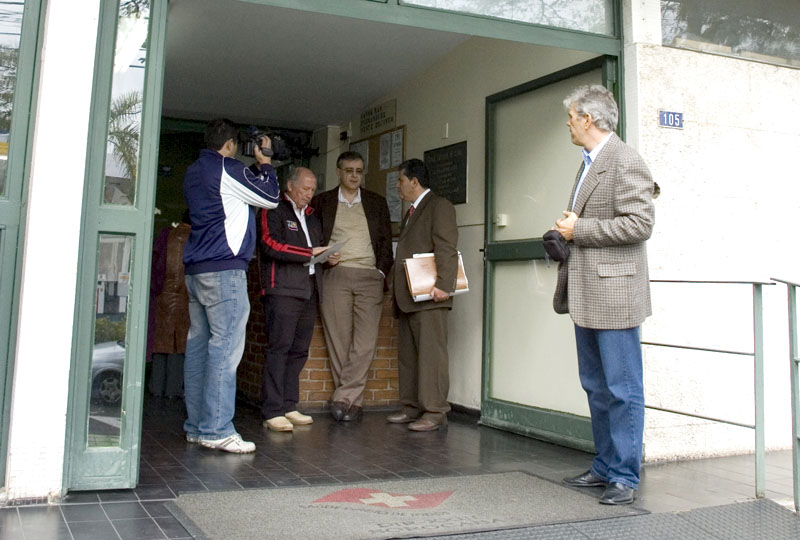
286, 68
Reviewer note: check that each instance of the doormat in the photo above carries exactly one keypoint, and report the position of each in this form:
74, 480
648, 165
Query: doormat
394, 509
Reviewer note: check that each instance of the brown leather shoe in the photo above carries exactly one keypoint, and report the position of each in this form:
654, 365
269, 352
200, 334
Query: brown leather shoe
399, 418
423, 424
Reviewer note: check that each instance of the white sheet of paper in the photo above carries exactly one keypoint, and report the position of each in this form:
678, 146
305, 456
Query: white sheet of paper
393, 198
397, 147
386, 151
322, 257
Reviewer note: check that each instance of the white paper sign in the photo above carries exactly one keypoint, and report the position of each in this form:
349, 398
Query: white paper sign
386, 151
397, 147
393, 198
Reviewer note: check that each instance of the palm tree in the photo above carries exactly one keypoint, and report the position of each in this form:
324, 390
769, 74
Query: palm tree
123, 131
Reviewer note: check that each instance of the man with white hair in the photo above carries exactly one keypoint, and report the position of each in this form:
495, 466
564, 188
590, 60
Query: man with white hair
289, 237
604, 286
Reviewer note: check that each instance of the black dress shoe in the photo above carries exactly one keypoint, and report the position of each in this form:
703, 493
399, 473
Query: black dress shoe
353, 414
338, 409
617, 493
587, 479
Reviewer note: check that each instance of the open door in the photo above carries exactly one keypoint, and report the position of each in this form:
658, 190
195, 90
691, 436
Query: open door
18, 50
531, 167
114, 269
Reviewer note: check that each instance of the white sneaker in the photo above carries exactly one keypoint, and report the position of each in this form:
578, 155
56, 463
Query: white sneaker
278, 423
298, 419
191, 438
233, 444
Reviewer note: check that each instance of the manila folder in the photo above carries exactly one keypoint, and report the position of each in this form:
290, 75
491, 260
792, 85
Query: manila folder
421, 276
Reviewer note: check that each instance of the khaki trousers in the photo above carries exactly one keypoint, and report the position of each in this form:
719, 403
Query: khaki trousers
424, 364
352, 302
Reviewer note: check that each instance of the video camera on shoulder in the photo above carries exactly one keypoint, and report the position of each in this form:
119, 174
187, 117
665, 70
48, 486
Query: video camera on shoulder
279, 151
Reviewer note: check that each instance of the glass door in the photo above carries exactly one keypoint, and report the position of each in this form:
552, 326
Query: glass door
114, 278
19, 29
531, 380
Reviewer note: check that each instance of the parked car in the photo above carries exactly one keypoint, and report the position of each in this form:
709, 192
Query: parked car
108, 361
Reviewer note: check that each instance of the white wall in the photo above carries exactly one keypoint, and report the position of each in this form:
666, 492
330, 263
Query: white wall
52, 235
454, 91
728, 210
324, 165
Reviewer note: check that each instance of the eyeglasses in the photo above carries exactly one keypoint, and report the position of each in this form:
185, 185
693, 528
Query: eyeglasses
353, 172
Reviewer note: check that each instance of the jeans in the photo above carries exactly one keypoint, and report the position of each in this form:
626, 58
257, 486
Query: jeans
610, 367
218, 310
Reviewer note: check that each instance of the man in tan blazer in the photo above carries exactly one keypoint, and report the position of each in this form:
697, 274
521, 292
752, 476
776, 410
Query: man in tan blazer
604, 286
429, 226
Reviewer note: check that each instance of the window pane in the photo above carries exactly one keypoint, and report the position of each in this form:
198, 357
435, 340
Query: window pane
125, 113
10, 29
768, 30
114, 256
594, 16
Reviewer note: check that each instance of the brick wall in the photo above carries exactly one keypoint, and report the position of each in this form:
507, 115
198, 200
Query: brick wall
316, 383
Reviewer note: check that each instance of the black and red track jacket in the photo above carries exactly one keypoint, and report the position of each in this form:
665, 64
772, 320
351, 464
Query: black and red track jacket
284, 250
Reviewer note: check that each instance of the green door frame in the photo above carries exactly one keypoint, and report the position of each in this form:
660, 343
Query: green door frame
116, 466
12, 207
554, 426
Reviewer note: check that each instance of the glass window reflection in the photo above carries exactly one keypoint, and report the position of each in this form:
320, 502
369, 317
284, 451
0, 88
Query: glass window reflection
594, 16
10, 29
125, 112
108, 354
766, 31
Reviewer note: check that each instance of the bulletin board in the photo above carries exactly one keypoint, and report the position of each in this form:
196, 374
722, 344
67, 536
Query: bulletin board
383, 153
447, 171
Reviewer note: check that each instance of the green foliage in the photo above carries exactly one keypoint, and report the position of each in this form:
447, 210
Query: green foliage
9, 58
107, 330
123, 130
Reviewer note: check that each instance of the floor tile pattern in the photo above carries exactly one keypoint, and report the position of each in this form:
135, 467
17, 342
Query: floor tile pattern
335, 453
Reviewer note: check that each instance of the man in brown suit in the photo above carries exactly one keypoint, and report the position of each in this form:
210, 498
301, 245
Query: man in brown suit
428, 227
604, 286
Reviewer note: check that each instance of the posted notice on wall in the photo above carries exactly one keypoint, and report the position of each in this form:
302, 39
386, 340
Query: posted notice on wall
386, 151
393, 198
397, 147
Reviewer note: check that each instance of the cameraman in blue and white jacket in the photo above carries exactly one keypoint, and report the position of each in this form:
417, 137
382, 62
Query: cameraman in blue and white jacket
221, 193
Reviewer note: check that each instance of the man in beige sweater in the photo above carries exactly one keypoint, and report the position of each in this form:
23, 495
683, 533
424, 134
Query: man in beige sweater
352, 297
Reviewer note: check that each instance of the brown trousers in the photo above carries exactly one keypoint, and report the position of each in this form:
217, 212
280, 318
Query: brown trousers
424, 364
352, 301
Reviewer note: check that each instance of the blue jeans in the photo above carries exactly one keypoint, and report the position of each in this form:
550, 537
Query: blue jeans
218, 310
610, 368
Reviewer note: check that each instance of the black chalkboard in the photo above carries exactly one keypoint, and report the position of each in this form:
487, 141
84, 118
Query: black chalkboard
447, 171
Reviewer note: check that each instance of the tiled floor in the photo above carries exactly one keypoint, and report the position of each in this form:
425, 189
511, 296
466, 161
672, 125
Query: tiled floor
331, 453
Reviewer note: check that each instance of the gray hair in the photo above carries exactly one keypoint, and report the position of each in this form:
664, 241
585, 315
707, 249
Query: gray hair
294, 174
597, 101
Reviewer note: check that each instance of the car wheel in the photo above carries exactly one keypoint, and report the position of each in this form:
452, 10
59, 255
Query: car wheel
109, 387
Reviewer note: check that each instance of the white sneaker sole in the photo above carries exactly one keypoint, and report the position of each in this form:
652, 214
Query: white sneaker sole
230, 445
